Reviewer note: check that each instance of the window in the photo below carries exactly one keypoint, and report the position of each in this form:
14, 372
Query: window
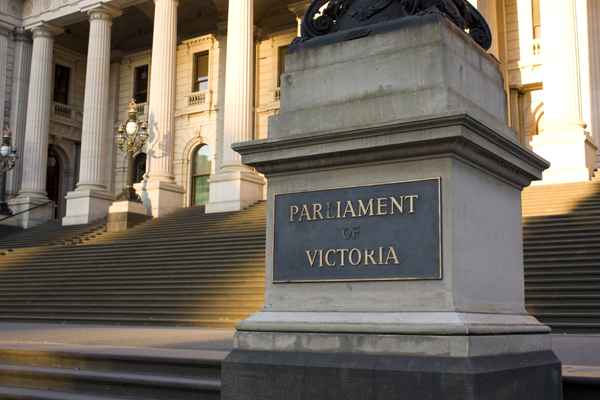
200, 174
140, 87
200, 72
61, 84
283, 51
139, 167
537, 20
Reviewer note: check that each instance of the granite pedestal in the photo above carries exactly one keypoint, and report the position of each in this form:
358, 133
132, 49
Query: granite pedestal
377, 114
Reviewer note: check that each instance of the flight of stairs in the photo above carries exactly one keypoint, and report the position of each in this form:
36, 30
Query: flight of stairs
185, 269
561, 232
67, 372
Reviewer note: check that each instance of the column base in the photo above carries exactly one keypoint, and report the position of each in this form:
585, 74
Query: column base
235, 190
85, 206
266, 375
32, 218
572, 156
160, 197
123, 215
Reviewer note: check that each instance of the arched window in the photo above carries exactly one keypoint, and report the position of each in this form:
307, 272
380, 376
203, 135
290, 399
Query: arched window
200, 174
139, 167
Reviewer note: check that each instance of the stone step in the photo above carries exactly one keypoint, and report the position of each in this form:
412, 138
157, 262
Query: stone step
561, 299
206, 323
105, 285
21, 393
575, 290
125, 372
125, 314
140, 249
167, 276
180, 295
562, 282
560, 274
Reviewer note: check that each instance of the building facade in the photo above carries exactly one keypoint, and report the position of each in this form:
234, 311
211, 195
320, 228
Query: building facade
205, 74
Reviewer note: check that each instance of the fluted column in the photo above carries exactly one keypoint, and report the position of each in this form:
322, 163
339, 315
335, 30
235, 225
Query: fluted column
487, 8
18, 104
237, 114
563, 140
4, 35
236, 186
35, 152
562, 95
162, 92
90, 200
593, 16
95, 106
161, 194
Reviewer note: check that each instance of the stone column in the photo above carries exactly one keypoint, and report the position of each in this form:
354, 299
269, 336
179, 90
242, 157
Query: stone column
90, 200
18, 105
516, 113
563, 140
5, 30
299, 8
161, 195
34, 155
116, 58
487, 8
236, 186
593, 30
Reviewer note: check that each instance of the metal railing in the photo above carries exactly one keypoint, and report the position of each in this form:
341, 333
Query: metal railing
29, 209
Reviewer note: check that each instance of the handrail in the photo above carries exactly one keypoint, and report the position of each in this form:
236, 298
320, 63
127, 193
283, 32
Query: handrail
29, 209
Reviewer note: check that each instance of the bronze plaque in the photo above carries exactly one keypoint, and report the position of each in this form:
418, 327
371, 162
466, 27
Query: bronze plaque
374, 232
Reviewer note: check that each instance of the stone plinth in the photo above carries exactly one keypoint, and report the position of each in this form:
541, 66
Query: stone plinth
160, 197
419, 103
86, 205
123, 215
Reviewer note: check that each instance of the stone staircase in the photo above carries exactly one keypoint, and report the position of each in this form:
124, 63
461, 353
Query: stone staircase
561, 232
66, 372
185, 269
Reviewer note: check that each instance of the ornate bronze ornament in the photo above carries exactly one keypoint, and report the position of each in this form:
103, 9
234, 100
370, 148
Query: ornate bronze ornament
365, 17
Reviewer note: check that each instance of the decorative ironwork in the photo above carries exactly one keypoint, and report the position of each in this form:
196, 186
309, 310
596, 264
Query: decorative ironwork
325, 17
131, 139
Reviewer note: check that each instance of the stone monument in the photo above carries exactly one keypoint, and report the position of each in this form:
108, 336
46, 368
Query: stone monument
394, 244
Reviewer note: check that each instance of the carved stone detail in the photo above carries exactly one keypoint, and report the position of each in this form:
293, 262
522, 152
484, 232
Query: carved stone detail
28, 8
15, 8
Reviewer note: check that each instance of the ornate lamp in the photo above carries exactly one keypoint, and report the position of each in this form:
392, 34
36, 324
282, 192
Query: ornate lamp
131, 139
8, 159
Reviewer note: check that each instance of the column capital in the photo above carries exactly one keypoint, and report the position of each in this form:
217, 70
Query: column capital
259, 34
299, 8
45, 29
20, 34
116, 57
102, 11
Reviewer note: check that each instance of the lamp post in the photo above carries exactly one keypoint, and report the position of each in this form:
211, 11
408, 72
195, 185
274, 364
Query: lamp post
131, 139
8, 159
